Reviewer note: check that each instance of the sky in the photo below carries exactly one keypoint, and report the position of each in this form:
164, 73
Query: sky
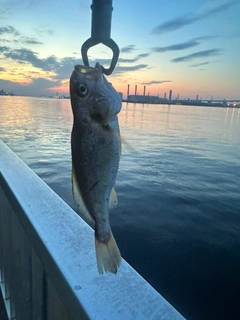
189, 46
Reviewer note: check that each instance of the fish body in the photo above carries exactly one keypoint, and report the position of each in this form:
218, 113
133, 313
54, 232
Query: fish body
96, 148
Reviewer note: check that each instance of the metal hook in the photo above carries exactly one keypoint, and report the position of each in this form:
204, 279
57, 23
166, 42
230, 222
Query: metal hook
100, 32
110, 44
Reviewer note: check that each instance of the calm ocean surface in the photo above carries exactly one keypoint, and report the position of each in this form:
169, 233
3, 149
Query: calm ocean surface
178, 185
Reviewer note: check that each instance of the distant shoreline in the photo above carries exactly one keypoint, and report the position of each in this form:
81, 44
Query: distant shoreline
189, 103
176, 102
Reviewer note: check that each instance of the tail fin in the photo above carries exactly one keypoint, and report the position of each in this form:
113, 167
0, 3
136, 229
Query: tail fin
108, 255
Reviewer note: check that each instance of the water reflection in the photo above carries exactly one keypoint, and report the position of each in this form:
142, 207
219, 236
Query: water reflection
29, 116
38, 130
187, 121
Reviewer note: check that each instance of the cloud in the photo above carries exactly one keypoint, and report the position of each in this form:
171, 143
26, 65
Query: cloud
106, 62
179, 46
128, 48
199, 54
123, 65
156, 82
180, 22
29, 40
3, 49
199, 64
65, 67
5, 40
220, 8
9, 30
27, 55
203, 63
206, 37
44, 30
57, 70
43, 83
36, 87
61, 67
173, 24
23, 40
2, 69
142, 55
120, 69
18, 38
126, 68
4, 13
92, 61
183, 45
132, 60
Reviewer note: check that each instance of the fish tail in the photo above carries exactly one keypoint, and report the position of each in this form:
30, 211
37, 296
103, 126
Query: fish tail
108, 255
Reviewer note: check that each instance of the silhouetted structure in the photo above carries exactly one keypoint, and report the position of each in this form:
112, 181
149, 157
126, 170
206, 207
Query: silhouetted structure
128, 89
136, 98
145, 99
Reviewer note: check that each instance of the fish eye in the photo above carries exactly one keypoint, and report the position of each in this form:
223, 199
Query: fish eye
82, 90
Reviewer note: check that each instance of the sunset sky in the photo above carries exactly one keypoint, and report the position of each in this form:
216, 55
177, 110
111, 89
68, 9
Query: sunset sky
189, 46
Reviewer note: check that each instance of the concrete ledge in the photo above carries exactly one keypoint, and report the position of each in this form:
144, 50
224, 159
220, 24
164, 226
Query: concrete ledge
65, 245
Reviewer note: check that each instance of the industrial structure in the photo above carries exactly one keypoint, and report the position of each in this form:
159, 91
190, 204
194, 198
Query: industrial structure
137, 98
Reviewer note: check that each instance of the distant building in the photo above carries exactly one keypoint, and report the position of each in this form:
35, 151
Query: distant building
145, 99
121, 95
4, 93
170, 95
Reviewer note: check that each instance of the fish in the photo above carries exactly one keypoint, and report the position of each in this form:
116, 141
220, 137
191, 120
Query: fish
96, 150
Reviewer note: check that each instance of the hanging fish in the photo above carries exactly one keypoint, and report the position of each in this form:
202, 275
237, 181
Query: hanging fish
96, 149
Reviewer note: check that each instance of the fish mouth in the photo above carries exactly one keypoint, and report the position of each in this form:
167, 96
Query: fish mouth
92, 73
83, 69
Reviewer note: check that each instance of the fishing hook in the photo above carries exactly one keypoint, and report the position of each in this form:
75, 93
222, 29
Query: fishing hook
100, 32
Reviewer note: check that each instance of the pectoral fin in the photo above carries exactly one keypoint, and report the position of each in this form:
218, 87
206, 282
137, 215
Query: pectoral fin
113, 201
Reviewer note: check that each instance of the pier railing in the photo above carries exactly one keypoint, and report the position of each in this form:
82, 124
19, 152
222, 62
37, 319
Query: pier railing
47, 259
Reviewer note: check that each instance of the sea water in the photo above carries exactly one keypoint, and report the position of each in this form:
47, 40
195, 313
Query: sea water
178, 186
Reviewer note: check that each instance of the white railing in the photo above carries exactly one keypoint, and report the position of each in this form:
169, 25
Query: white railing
47, 259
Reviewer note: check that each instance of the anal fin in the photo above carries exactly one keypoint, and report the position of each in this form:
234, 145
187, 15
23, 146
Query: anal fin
79, 200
